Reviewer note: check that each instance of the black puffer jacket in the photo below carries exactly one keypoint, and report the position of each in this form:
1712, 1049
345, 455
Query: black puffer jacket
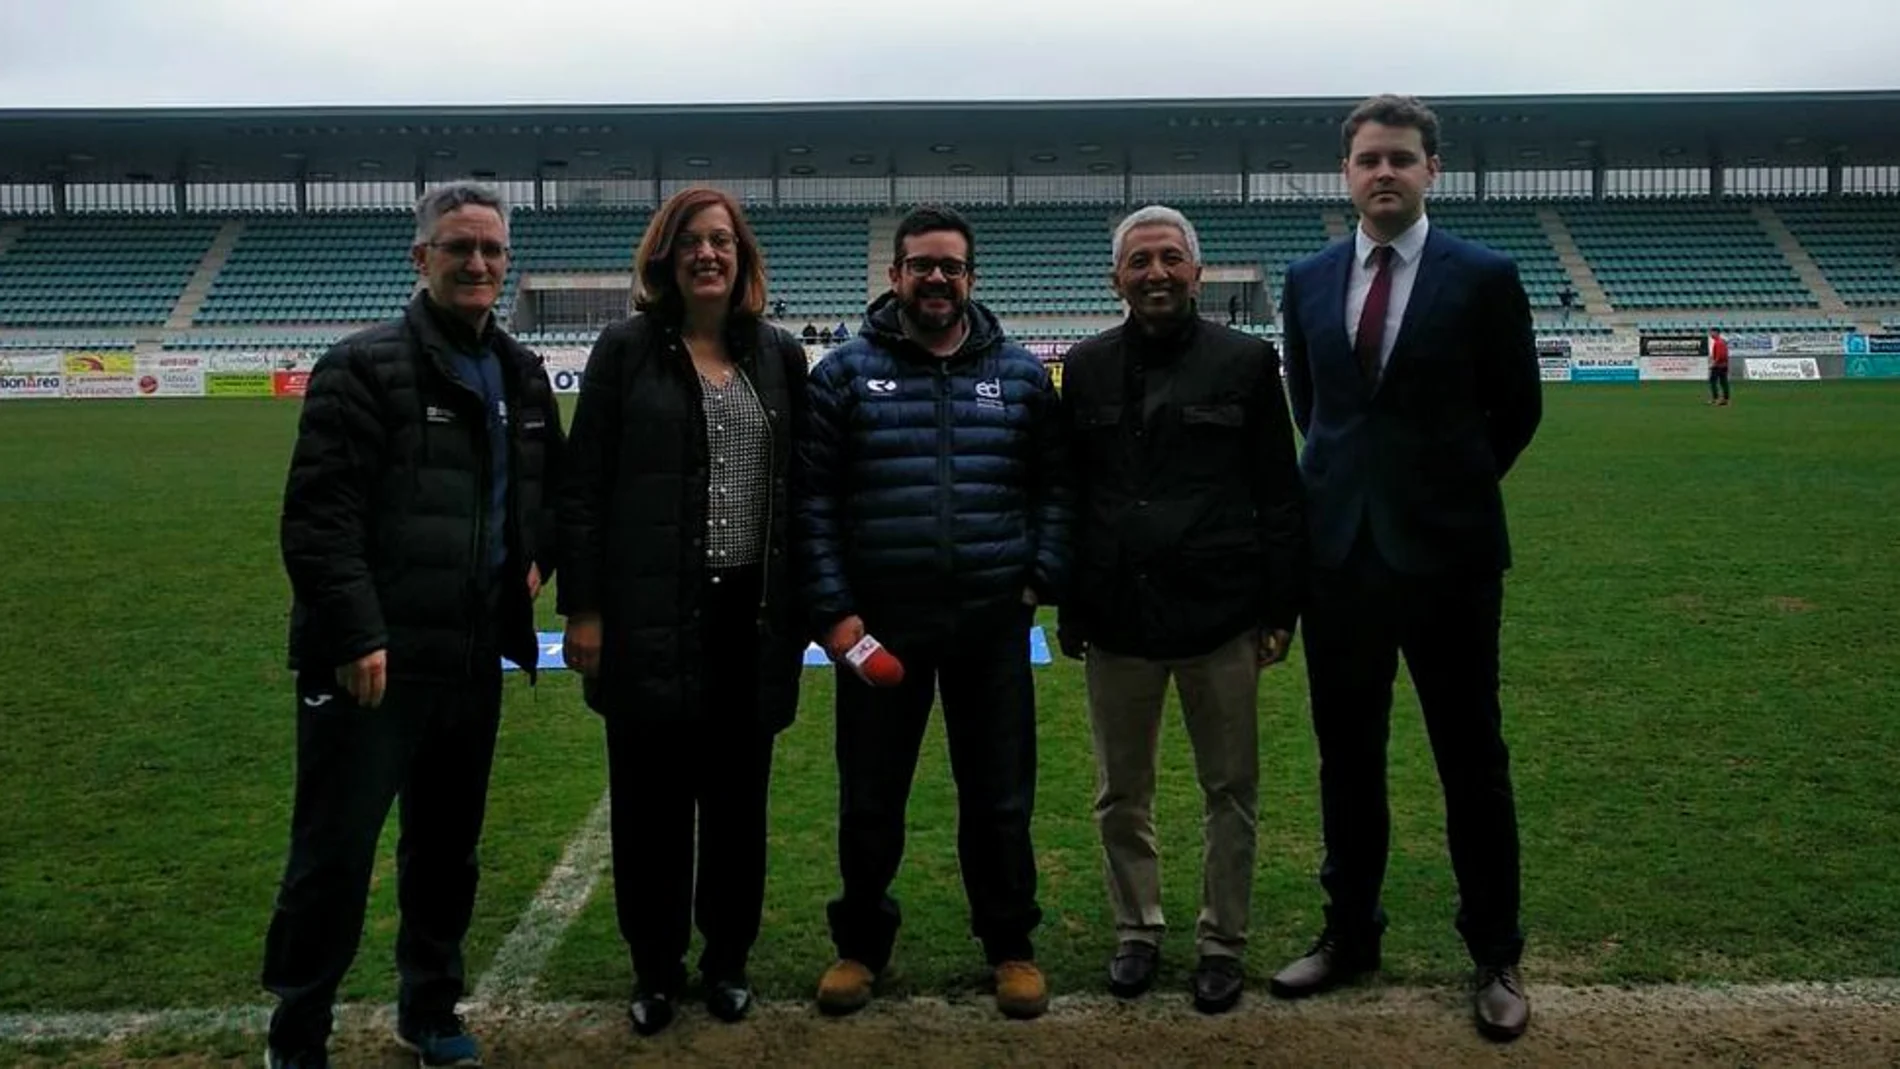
633, 517
387, 501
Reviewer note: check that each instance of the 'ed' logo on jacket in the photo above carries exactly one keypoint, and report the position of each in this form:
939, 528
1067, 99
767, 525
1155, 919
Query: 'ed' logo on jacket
989, 393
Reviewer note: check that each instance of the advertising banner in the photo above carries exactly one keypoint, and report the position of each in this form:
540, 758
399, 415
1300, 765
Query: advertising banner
92, 374
289, 383
1873, 367
1554, 368
1676, 345
171, 375
1673, 368
1862, 344
1809, 342
1598, 347
27, 385
564, 364
1783, 369
1753, 343
239, 363
96, 385
245, 384
1603, 369
30, 364
98, 363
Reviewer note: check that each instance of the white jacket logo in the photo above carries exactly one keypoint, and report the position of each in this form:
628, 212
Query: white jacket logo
881, 385
989, 393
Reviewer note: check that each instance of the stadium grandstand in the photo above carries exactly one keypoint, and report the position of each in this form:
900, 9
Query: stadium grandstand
282, 229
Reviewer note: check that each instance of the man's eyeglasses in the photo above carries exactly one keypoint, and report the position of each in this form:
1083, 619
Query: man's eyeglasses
685, 243
463, 248
922, 266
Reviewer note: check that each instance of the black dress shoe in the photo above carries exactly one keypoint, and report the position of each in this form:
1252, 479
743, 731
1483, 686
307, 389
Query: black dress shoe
1498, 1002
651, 1011
729, 999
1132, 972
1327, 965
1216, 983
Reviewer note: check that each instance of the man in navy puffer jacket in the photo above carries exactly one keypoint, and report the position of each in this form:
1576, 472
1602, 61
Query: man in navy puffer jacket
932, 515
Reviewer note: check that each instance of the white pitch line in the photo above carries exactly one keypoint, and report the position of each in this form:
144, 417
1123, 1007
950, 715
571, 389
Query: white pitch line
511, 976
1550, 1002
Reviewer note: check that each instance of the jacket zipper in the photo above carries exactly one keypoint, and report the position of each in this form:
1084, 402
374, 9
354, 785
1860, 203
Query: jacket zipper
485, 476
946, 513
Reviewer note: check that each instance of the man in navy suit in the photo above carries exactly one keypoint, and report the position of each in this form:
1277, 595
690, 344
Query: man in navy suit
1412, 371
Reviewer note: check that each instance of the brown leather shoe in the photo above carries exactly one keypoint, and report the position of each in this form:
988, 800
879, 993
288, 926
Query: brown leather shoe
845, 987
1021, 992
1499, 1004
1326, 965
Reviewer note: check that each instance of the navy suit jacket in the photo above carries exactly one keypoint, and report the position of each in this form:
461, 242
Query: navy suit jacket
1416, 460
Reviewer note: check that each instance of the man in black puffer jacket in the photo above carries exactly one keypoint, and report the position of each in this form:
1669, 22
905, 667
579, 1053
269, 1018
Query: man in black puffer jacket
933, 515
417, 530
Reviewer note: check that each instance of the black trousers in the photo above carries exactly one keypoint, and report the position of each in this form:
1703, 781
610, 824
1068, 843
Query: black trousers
989, 712
1718, 377
429, 745
1362, 615
716, 765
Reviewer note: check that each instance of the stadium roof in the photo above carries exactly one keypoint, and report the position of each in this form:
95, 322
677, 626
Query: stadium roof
873, 139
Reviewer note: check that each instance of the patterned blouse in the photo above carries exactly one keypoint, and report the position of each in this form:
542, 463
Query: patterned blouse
739, 441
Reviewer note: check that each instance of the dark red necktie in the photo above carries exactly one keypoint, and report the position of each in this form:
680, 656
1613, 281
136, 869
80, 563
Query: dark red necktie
1371, 336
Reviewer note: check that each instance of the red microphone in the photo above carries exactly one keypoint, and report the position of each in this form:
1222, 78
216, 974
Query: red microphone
874, 664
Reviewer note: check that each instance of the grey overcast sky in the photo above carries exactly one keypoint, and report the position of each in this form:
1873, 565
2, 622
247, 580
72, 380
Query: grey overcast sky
123, 53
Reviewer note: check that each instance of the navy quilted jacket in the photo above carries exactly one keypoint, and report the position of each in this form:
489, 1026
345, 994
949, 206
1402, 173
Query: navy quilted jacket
932, 486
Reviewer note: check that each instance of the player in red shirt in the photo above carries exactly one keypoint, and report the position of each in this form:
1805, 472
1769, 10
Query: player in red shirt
1718, 368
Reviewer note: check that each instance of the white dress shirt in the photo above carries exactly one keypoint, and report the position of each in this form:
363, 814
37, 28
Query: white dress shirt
1407, 248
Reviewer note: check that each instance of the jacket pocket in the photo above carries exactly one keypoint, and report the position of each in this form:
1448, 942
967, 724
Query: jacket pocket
1233, 416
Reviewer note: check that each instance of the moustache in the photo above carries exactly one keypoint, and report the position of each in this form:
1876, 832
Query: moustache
947, 293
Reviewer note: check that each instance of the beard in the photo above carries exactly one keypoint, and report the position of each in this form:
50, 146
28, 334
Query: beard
913, 307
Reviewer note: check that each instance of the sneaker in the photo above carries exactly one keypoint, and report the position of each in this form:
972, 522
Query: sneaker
440, 1043
845, 987
307, 1059
1021, 992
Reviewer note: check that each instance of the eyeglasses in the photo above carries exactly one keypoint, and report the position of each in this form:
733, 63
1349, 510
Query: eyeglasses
922, 266
685, 243
463, 248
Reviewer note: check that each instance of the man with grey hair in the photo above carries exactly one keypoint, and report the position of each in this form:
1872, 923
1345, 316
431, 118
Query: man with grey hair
1189, 555
416, 531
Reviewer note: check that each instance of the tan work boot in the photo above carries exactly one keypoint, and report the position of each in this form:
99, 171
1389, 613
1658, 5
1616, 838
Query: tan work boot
845, 987
1021, 992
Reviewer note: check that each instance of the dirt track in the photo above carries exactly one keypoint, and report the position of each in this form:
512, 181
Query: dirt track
1582, 1027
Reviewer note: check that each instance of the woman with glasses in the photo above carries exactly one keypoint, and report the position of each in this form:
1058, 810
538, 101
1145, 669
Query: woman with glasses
679, 603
